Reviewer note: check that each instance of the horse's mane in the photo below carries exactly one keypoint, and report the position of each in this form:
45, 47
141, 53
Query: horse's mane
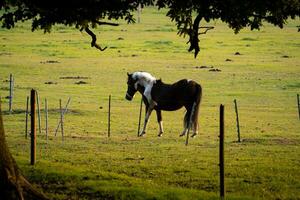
144, 75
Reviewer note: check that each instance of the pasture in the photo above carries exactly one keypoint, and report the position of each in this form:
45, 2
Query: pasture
264, 79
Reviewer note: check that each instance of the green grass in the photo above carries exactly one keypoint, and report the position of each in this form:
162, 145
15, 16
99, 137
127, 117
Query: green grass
87, 165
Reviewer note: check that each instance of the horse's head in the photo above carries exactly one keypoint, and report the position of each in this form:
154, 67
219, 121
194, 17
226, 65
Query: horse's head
131, 88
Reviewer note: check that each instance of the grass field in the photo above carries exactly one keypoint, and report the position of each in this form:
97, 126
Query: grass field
87, 165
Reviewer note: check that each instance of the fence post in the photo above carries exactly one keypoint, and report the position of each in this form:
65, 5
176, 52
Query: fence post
26, 117
66, 109
298, 101
221, 153
11, 86
109, 105
139, 10
61, 120
33, 129
140, 116
38, 111
46, 119
237, 120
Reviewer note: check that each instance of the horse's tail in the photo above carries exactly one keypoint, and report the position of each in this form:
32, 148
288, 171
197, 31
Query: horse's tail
197, 107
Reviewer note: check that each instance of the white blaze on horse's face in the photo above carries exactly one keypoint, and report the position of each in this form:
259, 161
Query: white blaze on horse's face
131, 89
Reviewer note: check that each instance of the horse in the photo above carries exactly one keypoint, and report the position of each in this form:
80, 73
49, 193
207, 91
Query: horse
159, 96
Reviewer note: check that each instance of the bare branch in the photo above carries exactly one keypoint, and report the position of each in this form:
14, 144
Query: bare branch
207, 29
94, 39
106, 23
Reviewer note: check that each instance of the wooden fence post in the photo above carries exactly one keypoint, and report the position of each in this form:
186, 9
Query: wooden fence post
140, 116
298, 101
46, 119
38, 111
61, 120
221, 153
139, 10
26, 117
237, 120
33, 129
109, 105
11, 88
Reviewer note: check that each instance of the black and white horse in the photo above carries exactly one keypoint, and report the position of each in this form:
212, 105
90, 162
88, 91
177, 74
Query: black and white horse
161, 96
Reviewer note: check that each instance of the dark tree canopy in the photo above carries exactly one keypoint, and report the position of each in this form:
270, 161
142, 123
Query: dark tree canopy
188, 14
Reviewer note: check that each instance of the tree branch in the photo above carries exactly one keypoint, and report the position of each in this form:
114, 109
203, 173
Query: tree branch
207, 29
106, 23
94, 39
193, 33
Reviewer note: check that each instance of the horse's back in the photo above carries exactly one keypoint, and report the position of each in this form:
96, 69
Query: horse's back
188, 87
174, 96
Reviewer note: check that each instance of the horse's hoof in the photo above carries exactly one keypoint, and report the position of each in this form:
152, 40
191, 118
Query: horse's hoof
142, 134
160, 134
194, 135
182, 134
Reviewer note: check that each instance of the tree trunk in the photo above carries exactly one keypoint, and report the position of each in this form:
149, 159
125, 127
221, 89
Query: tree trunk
13, 185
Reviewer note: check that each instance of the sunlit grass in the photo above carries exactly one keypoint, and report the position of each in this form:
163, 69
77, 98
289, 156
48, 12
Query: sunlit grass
87, 165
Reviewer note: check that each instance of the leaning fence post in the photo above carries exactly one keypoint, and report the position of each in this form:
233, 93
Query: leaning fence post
221, 153
109, 104
26, 117
298, 101
46, 119
11, 88
140, 115
61, 120
38, 110
65, 110
33, 129
237, 120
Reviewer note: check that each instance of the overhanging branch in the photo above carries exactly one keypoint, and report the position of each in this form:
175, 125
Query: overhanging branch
106, 23
94, 39
207, 29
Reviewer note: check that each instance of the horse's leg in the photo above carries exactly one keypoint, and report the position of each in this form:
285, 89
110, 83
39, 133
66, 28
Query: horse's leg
148, 113
185, 122
195, 128
195, 124
160, 123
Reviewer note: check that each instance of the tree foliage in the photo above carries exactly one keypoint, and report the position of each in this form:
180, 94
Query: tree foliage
188, 14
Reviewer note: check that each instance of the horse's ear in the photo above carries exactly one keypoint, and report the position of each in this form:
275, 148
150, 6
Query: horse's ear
128, 74
159, 80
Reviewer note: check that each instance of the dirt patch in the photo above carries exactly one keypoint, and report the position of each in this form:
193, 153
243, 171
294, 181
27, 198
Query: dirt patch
215, 70
204, 67
49, 62
237, 53
50, 83
81, 82
228, 60
211, 68
181, 171
74, 77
